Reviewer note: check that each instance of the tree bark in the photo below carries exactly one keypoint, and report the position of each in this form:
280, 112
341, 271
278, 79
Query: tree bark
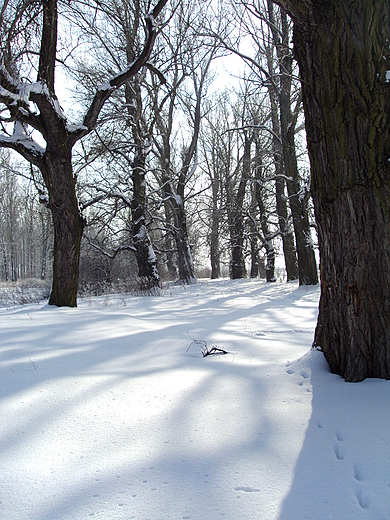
146, 258
67, 222
235, 215
342, 47
180, 234
268, 240
214, 235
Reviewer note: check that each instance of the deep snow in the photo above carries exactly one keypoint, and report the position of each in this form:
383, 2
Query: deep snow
106, 414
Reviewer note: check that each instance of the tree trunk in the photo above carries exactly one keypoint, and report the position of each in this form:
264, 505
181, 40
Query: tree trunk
268, 240
254, 255
307, 266
168, 242
67, 223
289, 251
235, 215
183, 248
214, 236
342, 49
184, 255
146, 259
237, 263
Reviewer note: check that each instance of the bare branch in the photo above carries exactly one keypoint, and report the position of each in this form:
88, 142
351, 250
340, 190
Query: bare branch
105, 90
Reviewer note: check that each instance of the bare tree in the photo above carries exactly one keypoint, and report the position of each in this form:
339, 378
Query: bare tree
187, 73
307, 265
263, 29
33, 105
125, 133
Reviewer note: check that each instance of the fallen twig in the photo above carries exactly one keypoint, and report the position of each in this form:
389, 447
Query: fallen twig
204, 348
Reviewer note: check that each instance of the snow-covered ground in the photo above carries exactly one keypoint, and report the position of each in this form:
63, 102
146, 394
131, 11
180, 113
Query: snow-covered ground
106, 414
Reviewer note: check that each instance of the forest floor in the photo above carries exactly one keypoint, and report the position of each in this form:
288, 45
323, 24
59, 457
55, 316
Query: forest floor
111, 411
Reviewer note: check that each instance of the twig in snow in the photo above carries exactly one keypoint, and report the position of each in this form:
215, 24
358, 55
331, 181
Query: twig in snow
204, 348
33, 364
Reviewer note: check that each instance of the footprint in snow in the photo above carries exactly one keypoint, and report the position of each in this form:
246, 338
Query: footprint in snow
358, 473
339, 452
363, 499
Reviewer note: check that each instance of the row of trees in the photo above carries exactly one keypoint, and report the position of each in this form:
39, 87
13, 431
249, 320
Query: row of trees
154, 144
147, 128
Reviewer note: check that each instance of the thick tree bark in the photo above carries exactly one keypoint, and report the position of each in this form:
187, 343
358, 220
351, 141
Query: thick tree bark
67, 222
342, 47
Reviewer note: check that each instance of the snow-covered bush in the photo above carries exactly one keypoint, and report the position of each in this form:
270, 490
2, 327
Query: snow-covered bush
28, 290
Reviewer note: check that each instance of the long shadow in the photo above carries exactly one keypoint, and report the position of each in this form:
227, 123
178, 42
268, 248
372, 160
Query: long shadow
343, 468
197, 441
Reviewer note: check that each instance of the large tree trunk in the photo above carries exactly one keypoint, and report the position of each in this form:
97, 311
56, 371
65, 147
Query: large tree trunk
343, 52
68, 226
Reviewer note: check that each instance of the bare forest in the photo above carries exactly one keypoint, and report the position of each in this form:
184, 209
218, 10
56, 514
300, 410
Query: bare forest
192, 165
149, 142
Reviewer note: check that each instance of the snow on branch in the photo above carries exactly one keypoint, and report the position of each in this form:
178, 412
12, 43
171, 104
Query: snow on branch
21, 142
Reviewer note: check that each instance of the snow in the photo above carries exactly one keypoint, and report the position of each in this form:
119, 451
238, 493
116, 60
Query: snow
73, 127
20, 136
105, 86
106, 414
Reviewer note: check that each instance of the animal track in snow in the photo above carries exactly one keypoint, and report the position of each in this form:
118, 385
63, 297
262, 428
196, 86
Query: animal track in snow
363, 499
358, 473
339, 452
